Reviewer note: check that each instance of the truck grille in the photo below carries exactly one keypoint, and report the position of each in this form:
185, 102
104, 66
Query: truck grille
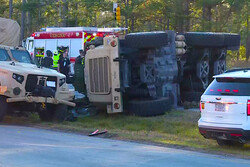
32, 82
99, 75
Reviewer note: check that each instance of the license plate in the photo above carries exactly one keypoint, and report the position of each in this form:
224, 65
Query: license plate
220, 107
51, 84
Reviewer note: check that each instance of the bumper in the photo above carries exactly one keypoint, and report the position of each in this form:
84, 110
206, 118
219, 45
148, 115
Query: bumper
33, 99
225, 133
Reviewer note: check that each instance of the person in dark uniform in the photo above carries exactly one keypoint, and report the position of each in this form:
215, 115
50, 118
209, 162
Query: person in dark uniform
81, 57
64, 64
48, 61
79, 81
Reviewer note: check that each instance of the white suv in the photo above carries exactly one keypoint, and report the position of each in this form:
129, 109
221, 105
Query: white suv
225, 108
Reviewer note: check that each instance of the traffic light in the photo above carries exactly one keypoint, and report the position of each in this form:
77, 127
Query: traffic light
118, 14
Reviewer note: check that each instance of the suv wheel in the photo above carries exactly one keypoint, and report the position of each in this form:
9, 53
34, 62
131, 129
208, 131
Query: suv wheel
222, 142
4, 107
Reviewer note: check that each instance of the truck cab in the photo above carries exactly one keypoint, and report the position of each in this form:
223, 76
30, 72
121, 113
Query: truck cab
102, 75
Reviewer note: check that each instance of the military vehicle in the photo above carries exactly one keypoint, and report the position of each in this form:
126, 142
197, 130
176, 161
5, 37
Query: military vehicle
25, 86
147, 73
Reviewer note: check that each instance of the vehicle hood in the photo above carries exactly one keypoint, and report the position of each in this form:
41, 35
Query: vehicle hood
26, 68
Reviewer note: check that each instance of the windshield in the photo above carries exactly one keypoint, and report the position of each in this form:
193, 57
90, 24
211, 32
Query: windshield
229, 87
4, 55
21, 56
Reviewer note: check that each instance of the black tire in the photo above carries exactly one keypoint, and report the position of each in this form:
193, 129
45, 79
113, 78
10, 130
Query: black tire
149, 107
3, 108
52, 112
232, 41
224, 142
45, 112
191, 96
146, 40
61, 113
195, 86
204, 39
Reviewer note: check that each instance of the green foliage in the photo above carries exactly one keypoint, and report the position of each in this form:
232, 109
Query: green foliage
136, 15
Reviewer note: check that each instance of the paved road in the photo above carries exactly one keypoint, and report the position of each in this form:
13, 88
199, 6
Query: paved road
31, 147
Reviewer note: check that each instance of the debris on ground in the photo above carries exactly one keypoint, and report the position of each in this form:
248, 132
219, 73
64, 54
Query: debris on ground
97, 132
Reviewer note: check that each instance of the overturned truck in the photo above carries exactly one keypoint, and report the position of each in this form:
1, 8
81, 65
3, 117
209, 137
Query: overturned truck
147, 73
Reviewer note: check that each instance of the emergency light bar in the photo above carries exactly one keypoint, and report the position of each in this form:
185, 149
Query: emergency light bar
85, 29
53, 29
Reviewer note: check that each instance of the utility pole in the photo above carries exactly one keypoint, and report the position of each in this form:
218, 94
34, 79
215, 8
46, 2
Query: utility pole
10, 8
23, 19
248, 37
126, 14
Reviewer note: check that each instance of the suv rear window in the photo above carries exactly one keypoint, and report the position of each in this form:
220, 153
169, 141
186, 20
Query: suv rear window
229, 87
4, 56
21, 56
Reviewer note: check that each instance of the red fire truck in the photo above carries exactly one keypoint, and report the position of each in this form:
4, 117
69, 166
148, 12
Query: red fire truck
57, 39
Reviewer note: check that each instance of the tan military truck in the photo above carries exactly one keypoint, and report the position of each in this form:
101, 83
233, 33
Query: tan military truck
25, 86
146, 73
135, 73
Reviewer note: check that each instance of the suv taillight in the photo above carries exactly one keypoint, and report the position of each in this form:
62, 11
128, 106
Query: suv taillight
202, 106
248, 108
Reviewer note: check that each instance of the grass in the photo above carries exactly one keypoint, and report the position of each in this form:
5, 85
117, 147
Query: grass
175, 128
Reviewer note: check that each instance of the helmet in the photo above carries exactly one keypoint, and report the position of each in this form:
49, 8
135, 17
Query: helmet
55, 52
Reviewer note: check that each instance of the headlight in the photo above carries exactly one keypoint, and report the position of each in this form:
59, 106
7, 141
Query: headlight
18, 78
62, 81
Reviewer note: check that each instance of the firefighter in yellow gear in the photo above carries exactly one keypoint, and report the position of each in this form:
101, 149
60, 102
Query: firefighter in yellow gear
57, 55
39, 55
56, 58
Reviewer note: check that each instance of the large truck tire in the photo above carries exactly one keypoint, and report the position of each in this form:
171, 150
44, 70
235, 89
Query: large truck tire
3, 108
208, 39
204, 39
232, 41
146, 40
191, 96
187, 86
148, 108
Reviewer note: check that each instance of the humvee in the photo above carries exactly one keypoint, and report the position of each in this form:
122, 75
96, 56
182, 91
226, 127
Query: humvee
25, 86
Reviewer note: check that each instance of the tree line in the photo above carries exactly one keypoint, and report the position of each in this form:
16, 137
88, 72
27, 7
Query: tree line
137, 15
